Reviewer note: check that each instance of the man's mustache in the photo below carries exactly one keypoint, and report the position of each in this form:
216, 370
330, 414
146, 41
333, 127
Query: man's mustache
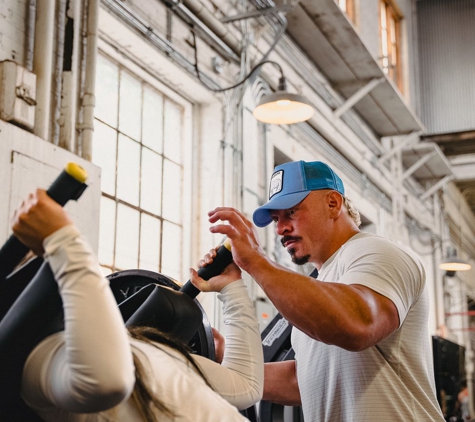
288, 238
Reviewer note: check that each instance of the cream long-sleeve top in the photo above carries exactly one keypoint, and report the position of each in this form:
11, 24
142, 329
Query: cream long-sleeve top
86, 373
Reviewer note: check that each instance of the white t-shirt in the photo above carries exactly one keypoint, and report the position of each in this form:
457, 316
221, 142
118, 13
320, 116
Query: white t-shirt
89, 367
391, 381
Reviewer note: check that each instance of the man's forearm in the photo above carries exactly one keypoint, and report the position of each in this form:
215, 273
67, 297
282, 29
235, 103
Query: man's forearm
280, 383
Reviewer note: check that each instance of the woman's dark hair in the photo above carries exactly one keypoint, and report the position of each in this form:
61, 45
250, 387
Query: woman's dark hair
142, 395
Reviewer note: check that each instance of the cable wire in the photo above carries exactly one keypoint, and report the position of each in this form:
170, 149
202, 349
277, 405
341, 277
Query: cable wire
261, 63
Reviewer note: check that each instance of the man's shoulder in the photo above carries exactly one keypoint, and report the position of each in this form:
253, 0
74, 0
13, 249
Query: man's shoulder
369, 243
374, 239
368, 238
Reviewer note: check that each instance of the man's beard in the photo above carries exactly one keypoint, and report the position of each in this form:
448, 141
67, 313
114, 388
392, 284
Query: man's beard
296, 260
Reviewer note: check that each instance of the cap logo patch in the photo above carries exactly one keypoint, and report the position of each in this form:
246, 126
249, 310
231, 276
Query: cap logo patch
276, 183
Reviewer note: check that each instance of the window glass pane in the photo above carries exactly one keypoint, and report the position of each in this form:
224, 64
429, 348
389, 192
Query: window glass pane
149, 243
392, 28
152, 130
127, 243
172, 191
384, 43
172, 251
389, 28
130, 106
383, 15
104, 155
173, 123
128, 170
151, 180
138, 143
107, 231
106, 91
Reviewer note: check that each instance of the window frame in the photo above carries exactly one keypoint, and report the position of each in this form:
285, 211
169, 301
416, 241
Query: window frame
186, 165
347, 7
393, 14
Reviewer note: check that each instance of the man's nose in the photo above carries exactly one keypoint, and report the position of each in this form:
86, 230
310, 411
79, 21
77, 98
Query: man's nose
282, 226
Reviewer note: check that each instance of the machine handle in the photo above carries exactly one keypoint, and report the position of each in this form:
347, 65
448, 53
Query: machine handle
68, 185
222, 259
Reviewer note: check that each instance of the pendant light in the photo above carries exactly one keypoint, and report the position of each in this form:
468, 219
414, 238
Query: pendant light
280, 107
283, 108
453, 263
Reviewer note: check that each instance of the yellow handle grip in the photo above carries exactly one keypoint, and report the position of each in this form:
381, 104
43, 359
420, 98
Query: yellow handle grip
76, 171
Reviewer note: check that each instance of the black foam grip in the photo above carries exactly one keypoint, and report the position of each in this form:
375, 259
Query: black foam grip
36, 314
222, 259
64, 188
31, 307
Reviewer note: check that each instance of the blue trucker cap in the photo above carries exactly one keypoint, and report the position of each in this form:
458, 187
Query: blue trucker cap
291, 183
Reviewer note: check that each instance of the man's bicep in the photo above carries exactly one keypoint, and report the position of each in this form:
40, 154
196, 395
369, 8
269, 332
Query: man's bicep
384, 313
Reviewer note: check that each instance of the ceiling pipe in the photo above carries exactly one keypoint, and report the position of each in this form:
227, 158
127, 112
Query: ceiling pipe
144, 29
89, 99
70, 78
43, 64
58, 71
30, 46
209, 20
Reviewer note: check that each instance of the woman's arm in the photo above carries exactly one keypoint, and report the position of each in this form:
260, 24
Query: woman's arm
240, 377
89, 367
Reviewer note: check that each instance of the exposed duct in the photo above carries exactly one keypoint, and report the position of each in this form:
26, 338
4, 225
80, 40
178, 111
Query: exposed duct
42, 65
211, 27
90, 76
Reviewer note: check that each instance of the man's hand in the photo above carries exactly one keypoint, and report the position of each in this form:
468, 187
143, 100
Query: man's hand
242, 234
38, 217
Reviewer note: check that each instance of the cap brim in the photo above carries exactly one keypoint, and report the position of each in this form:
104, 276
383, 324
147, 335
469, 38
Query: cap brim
262, 217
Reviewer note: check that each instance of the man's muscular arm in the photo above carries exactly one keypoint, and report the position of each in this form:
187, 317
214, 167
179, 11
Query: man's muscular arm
280, 383
353, 317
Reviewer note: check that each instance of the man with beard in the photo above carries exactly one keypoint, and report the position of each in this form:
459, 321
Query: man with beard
360, 330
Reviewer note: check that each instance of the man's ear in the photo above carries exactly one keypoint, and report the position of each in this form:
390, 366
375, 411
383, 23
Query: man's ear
335, 202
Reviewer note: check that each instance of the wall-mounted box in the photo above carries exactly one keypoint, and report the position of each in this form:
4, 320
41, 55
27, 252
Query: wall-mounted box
17, 94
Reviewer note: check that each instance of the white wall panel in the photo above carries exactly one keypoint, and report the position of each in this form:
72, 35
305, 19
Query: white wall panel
13, 31
27, 163
447, 60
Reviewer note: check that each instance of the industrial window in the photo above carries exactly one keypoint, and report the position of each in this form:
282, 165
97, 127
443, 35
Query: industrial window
138, 143
390, 20
347, 6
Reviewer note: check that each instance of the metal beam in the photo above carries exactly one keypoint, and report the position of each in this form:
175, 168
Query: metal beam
468, 135
418, 164
407, 140
453, 144
257, 13
437, 186
358, 95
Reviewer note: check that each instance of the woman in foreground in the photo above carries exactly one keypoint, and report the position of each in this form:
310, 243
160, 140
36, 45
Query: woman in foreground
95, 370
